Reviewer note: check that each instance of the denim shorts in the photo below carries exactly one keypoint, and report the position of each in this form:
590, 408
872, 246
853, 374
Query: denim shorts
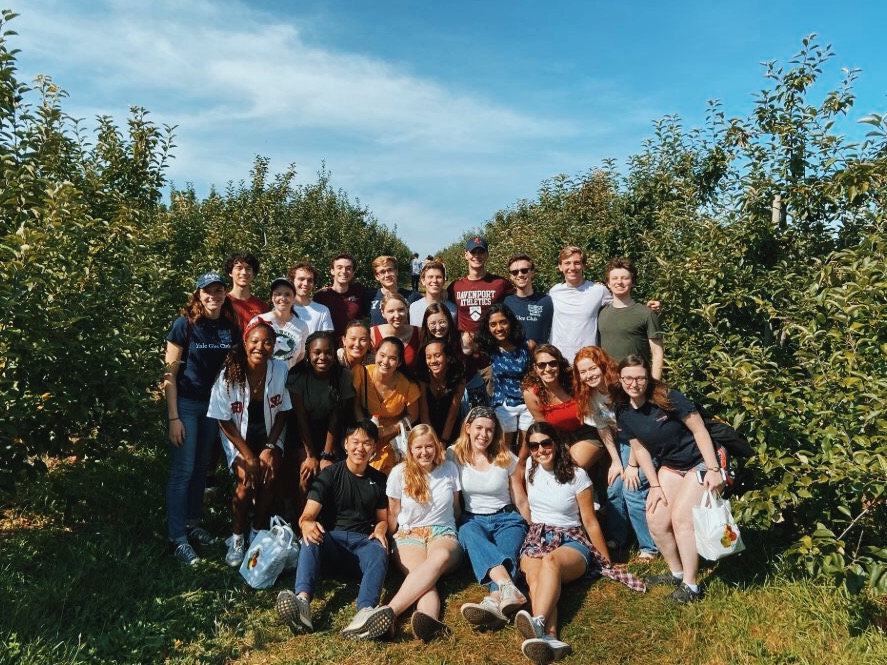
422, 536
566, 541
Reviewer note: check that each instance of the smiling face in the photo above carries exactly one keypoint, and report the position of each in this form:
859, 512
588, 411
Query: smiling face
342, 273
304, 282
521, 273
387, 358
541, 448
259, 345
476, 258
423, 449
212, 298
590, 374
395, 312
546, 367
282, 298
438, 325
573, 269
242, 274
359, 448
356, 342
620, 282
436, 358
433, 281
481, 432
386, 275
500, 327
320, 355
634, 381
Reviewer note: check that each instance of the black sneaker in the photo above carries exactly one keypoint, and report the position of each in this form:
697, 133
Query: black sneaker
684, 594
295, 612
665, 579
426, 627
201, 537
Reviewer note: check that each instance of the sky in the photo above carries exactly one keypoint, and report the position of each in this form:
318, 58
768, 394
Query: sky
434, 115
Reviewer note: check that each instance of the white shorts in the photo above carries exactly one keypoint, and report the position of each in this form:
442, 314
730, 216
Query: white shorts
514, 418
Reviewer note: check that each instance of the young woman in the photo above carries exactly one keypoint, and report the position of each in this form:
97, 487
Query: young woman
441, 386
493, 526
355, 345
322, 393
660, 422
548, 394
196, 347
423, 504
383, 392
501, 337
250, 401
291, 330
564, 543
594, 375
396, 312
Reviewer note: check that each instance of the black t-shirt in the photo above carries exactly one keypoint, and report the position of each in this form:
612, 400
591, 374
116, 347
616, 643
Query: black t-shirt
349, 502
663, 433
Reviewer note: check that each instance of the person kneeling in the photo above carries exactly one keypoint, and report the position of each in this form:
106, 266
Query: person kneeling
344, 530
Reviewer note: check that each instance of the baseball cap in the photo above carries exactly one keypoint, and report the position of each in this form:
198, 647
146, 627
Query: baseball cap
208, 278
475, 242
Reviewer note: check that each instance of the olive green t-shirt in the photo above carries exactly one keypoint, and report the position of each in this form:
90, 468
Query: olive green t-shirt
627, 330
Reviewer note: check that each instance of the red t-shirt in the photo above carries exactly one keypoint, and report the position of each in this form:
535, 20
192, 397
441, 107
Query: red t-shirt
474, 296
248, 308
344, 307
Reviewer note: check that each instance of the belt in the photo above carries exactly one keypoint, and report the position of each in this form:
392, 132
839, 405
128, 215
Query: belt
504, 509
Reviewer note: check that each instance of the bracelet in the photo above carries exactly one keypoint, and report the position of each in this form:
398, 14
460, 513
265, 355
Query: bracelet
653, 487
271, 446
176, 418
715, 470
634, 466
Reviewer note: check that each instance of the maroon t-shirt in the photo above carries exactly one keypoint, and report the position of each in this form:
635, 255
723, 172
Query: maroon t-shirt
248, 308
344, 307
474, 296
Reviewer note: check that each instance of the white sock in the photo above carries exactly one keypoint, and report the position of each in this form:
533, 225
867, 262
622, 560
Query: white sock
678, 575
693, 587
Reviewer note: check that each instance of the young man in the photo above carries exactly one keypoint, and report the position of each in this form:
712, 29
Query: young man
434, 275
577, 302
478, 290
626, 326
534, 310
385, 272
243, 267
344, 528
344, 297
303, 275
415, 271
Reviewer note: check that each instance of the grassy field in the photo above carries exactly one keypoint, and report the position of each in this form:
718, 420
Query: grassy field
85, 578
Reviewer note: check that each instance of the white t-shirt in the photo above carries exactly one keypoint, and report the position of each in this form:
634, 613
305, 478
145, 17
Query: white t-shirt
291, 336
485, 492
576, 308
417, 310
602, 414
443, 482
316, 316
552, 503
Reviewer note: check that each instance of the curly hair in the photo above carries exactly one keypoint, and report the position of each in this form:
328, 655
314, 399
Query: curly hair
497, 452
564, 469
304, 367
657, 392
581, 392
532, 381
485, 340
453, 370
234, 367
194, 311
415, 478
241, 257
452, 337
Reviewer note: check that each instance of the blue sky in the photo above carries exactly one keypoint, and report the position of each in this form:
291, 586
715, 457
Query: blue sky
434, 114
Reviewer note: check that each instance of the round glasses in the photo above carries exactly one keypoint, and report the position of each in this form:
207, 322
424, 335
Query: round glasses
636, 380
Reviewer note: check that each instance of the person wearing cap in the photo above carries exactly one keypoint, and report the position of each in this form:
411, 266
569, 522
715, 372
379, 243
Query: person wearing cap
196, 347
345, 298
385, 272
250, 401
291, 330
303, 275
242, 268
478, 290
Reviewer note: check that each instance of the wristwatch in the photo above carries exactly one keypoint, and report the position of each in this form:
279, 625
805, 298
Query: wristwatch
329, 457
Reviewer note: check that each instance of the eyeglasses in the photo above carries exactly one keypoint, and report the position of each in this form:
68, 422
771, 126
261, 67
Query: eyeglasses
542, 364
520, 271
545, 443
637, 380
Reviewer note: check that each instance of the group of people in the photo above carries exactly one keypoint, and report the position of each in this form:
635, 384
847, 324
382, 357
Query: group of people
483, 420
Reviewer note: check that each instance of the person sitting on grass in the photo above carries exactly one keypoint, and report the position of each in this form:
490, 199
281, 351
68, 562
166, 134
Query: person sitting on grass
564, 543
251, 403
423, 503
344, 527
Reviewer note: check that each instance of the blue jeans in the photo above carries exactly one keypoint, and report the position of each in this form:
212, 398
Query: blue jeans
344, 553
625, 505
188, 464
492, 540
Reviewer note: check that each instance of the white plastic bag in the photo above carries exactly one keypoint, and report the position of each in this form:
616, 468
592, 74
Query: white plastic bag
292, 554
717, 535
266, 556
399, 442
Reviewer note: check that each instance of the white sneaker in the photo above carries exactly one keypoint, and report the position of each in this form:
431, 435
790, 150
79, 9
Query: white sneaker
546, 649
369, 623
510, 599
528, 626
236, 550
484, 613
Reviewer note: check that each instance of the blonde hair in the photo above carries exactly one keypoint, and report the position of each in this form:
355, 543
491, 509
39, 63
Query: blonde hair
569, 250
497, 452
415, 478
388, 297
380, 261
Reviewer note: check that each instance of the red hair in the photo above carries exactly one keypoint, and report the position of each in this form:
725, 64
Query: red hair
581, 392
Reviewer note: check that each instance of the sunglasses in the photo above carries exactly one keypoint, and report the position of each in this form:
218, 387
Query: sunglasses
520, 271
545, 443
551, 364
